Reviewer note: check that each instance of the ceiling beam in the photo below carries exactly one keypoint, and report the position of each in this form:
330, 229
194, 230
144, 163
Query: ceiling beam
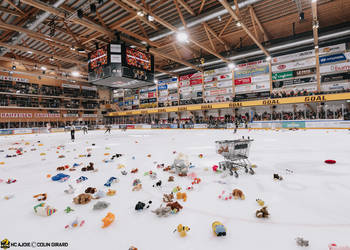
209, 38
234, 15
14, 6
215, 35
201, 7
133, 12
31, 33
266, 36
187, 7
173, 28
11, 12
40, 53
253, 22
177, 51
226, 25
180, 13
60, 13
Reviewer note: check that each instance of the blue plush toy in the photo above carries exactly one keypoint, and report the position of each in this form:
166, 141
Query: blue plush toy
110, 181
60, 177
81, 178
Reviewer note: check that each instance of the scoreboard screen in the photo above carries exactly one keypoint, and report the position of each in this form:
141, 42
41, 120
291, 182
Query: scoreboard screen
98, 58
137, 59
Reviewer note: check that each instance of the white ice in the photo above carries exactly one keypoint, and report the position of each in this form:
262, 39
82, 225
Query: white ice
313, 202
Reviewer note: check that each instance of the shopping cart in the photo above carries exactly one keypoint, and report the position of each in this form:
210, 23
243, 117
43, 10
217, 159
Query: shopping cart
235, 153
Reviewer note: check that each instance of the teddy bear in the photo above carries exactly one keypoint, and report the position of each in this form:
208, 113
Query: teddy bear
137, 187
90, 190
174, 205
90, 167
277, 177
168, 197
171, 179
262, 213
82, 199
238, 194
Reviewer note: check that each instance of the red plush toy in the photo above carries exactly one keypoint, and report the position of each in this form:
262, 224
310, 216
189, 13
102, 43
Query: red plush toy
330, 161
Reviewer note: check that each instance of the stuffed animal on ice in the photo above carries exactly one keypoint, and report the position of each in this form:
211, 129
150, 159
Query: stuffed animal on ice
43, 210
218, 229
162, 211
182, 230
76, 223
262, 213
301, 242
141, 205
238, 194
175, 205
82, 199
108, 220
181, 164
100, 205
168, 197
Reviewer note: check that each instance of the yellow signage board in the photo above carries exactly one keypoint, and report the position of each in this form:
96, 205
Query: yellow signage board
266, 102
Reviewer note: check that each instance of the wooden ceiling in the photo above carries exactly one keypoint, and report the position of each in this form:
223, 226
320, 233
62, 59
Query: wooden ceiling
262, 22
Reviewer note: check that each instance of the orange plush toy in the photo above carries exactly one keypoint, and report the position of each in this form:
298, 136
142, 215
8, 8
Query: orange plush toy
181, 196
108, 220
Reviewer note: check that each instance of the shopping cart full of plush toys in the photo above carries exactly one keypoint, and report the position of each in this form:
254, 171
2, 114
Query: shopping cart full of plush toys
235, 153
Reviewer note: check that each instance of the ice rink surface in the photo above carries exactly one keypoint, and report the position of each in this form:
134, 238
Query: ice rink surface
312, 202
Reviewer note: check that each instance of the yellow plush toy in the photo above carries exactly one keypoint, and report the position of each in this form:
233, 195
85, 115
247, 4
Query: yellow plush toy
182, 230
260, 202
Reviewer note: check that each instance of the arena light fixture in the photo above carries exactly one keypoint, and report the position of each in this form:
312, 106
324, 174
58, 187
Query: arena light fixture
29, 52
140, 13
268, 58
182, 36
239, 24
316, 46
314, 1
231, 66
155, 81
43, 68
75, 74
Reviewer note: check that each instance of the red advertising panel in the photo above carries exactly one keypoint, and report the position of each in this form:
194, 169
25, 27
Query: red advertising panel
196, 81
243, 81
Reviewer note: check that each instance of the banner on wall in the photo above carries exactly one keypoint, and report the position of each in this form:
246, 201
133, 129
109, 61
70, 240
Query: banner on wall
16, 115
66, 85
335, 77
292, 57
294, 65
163, 92
218, 92
224, 84
332, 58
15, 79
262, 78
89, 115
167, 81
196, 81
243, 88
246, 80
93, 88
172, 85
304, 72
209, 85
225, 77
162, 87
332, 49
251, 72
335, 68
46, 115
263, 86
162, 98
251, 64
335, 86
280, 84
191, 76
70, 115
283, 75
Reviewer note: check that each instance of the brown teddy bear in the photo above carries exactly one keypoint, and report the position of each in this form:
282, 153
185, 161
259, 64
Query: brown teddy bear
168, 197
174, 205
90, 190
90, 167
238, 194
262, 213
60, 168
171, 178
82, 199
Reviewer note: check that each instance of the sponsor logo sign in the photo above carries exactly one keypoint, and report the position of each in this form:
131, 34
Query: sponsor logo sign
294, 65
335, 77
246, 80
332, 49
251, 72
66, 85
335, 68
283, 75
250, 64
332, 58
280, 84
15, 79
292, 57
305, 72
162, 87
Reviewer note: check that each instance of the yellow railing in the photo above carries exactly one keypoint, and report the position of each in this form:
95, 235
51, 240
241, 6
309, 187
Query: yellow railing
203, 106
